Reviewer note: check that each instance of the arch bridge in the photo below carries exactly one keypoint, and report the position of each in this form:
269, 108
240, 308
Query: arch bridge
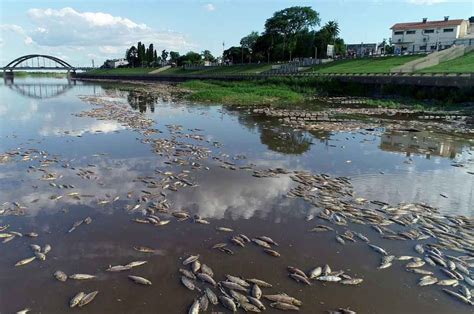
38, 62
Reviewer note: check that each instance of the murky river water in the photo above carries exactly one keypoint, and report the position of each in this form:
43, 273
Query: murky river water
41, 114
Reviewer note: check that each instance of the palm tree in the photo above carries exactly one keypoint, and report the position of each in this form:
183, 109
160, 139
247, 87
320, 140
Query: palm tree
332, 28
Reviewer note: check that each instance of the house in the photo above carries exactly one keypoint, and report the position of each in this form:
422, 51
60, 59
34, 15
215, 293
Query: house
115, 63
426, 36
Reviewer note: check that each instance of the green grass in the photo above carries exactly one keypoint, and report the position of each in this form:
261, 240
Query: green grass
242, 93
464, 64
121, 71
365, 65
221, 70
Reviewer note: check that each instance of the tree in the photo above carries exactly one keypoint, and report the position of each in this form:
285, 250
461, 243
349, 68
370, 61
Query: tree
164, 55
233, 54
207, 56
174, 56
290, 21
149, 55
141, 54
190, 58
332, 29
248, 42
132, 56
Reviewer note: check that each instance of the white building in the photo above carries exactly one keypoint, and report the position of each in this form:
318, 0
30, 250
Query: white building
115, 63
426, 36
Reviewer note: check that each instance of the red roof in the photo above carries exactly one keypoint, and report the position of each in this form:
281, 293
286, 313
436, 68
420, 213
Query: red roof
428, 24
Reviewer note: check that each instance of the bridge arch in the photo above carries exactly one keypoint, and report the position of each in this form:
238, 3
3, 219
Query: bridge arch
13, 64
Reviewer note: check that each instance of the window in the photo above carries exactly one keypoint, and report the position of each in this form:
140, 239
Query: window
398, 33
411, 32
433, 47
429, 31
423, 47
448, 30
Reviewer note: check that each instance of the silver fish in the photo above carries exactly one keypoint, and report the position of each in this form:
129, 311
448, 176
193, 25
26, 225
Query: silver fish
140, 280
88, 298
76, 299
194, 309
59, 275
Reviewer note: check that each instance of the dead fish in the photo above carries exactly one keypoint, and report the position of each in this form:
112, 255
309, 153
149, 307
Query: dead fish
226, 250
207, 270
88, 298
415, 264
259, 282
239, 297
211, 296
353, 281
117, 268
237, 241
315, 272
284, 306
326, 270
140, 280
458, 296
298, 271
224, 229
299, 278
256, 291
194, 309
257, 303
419, 249
219, 245
190, 259
282, 298
88, 220
47, 249
59, 275
35, 247
268, 240
135, 264
188, 283
24, 311
187, 273
228, 303
426, 281
261, 243
144, 249
249, 307
203, 303
448, 282
206, 278
25, 261
340, 240
329, 278
272, 252
81, 276
237, 280
76, 299
195, 266
40, 256
378, 249
233, 286
75, 225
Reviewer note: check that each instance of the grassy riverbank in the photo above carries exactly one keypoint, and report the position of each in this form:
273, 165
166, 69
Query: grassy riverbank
464, 64
242, 93
364, 65
296, 91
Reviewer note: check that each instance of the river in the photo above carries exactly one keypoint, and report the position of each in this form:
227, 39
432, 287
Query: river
102, 168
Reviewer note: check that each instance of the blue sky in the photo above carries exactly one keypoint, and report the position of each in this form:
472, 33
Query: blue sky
81, 30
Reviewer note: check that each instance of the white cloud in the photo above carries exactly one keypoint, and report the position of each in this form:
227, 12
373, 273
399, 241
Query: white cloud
68, 27
210, 7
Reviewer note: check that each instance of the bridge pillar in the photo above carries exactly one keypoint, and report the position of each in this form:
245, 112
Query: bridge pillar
8, 77
71, 74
